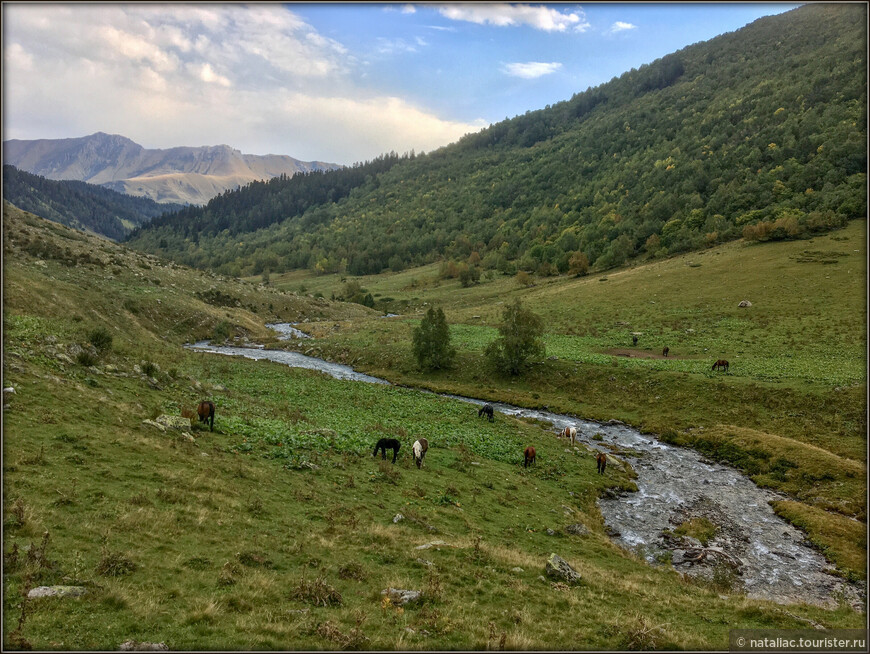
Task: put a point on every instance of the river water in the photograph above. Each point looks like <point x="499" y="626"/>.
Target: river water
<point x="763" y="556"/>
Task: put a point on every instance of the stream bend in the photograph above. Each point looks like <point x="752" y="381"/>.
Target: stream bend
<point x="766" y="556"/>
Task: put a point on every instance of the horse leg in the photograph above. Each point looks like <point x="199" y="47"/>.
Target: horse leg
<point x="395" y="454"/>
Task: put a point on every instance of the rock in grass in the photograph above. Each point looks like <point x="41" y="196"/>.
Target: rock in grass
<point x="400" y="596"/>
<point x="56" y="591"/>
<point x="744" y="303"/>
<point x="577" y="529"/>
<point x="434" y="543"/>
<point x="154" y="424"/>
<point x="173" y="422"/>
<point x="398" y="518"/>
<point x="558" y="568"/>
<point x="133" y="646"/>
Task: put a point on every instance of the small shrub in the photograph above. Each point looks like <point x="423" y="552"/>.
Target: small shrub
<point x="115" y="564"/>
<point x="86" y="358"/>
<point x="640" y="633"/>
<point x="355" y="639"/>
<point x="101" y="339"/>
<point x="16" y="515"/>
<point x="228" y="574"/>
<point x="149" y="368"/>
<point x="221" y="331"/>
<point x="254" y="560"/>
<point x="352" y="571"/>
<point x="316" y="592"/>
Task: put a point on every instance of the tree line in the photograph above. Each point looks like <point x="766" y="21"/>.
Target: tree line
<point x="80" y="205"/>
<point x="765" y="125"/>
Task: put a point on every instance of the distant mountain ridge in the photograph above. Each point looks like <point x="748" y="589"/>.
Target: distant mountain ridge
<point x="186" y="175"/>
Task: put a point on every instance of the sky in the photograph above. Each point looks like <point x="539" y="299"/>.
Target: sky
<point x="340" y="83"/>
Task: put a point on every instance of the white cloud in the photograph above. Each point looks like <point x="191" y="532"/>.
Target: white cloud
<point x="258" y="78"/>
<point x="531" y="69"/>
<point x="508" y="15"/>
<point x="405" y="9"/>
<point x="206" y="74"/>
<point x="392" y="46"/>
<point x="620" y="26"/>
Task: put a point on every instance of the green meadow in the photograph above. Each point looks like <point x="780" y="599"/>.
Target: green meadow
<point x="278" y="529"/>
<point x="797" y="355"/>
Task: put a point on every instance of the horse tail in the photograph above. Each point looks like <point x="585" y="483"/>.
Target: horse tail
<point x="375" y="453"/>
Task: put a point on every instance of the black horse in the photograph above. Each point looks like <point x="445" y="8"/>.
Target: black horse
<point x="486" y="410"/>
<point x="387" y="444"/>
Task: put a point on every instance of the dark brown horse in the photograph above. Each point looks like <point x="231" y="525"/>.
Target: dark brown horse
<point x="665" y="351"/>
<point x="529" y="456"/>
<point x="205" y="411"/>
<point x="601" y="461"/>
<point x="721" y="364"/>
<point x="486" y="410"/>
<point x="385" y="444"/>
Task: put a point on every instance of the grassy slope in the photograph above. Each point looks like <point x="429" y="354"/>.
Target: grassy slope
<point x="234" y="541"/>
<point x="797" y="378"/>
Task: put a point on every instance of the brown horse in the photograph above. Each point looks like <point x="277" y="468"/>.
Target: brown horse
<point x="721" y="364"/>
<point x="205" y="411"/>
<point x="529" y="455"/>
<point x="421" y="446"/>
<point x="570" y="433"/>
<point x="665" y="351"/>
<point x="601" y="461"/>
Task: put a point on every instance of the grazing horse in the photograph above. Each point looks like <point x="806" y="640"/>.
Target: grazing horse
<point x="722" y="364"/>
<point x="665" y="351"/>
<point x="387" y="444"/>
<point x="421" y="446"/>
<point x="601" y="460"/>
<point x="529" y="456"/>
<point x="205" y="411"/>
<point x="634" y="340"/>
<point x="486" y="410"/>
<point x="570" y="433"/>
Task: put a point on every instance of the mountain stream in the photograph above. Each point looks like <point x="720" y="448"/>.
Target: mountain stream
<point x="752" y="547"/>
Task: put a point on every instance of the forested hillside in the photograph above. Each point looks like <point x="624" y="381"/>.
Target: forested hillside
<point x="79" y="204"/>
<point x="758" y="133"/>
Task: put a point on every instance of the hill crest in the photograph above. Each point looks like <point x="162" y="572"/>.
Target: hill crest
<point x="121" y="164"/>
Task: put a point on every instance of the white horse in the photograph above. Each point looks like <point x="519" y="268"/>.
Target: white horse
<point x="420" y="447"/>
<point x="570" y="433"/>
